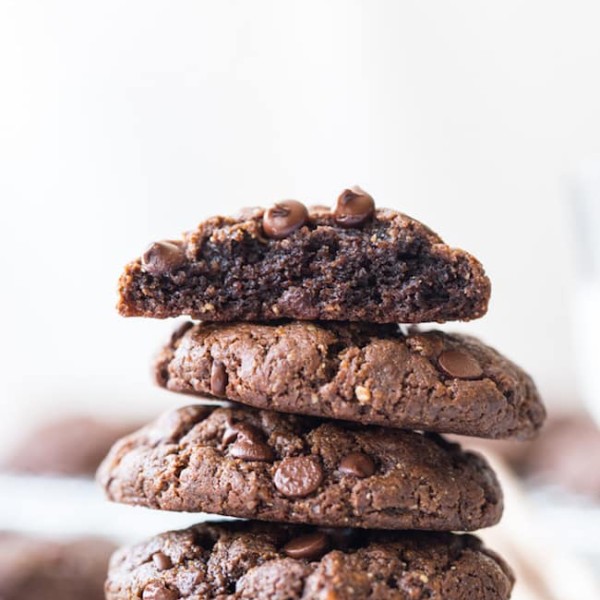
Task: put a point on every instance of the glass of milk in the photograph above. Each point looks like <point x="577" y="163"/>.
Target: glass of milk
<point x="585" y="200"/>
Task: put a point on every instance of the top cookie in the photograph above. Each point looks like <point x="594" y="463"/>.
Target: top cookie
<point x="355" y="263"/>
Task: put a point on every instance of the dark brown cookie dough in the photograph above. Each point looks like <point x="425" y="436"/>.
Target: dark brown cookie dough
<point x="72" y="446"/>
<point x="252" y="561"/>
<point x="39" y="569"/>
<point x="365" y="373"/>
<point x="353" y="264"/>
<point x="276" y="467"/>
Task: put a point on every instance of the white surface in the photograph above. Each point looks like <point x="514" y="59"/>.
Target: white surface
<point x="62" y="508"/>
<point x="587" y="343"/>
<point x="121" y="122"/>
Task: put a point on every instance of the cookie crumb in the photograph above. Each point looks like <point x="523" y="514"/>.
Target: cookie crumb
<point x="362" y="393"/>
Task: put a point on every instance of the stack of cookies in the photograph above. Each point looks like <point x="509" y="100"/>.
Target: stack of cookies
<point x="329" y="440"/>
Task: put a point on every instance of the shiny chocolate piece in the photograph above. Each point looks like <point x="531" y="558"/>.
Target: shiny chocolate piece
<point x="284" y="218"/>
<point x="235" y="430"/>
<point x="354" y="207"/>
<point x="310" y="546"/>
<point x="157" y="591"/>
<point x="358" y="464"/>
<point x="218" y="379"/>
<point x="299" y="476"/>
<point x="459" y="364"/>
<point x="161" y="561"/>
<point x="249" y="449"/>
<point x="163" y="257"/>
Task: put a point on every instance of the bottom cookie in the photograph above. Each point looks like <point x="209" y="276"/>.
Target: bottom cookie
<point x="248" y="560"/>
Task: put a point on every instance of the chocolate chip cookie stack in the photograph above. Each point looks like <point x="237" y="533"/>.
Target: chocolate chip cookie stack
<point x="329" y="442"/>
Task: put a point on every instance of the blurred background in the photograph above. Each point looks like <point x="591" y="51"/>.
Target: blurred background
<point x="125" y="122"/>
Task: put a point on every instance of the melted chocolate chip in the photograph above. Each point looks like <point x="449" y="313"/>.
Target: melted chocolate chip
<point x="157" y="591"/>
<point x="161" y="561"/>
<point x="284" y="218"/>
<point x="299" y="476"/>
<point x="162" y="257"/>
<point x="247" y="449"/>
<point x="235" y="430"/>
<point x="310" y="546"/>
<point x="354" y="207"/>
<point x="459" y="364"/>
<point x="218" y="379"/>
<point x="357" y="464"/>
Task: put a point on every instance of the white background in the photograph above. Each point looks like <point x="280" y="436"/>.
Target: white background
<point x="126" y="121"/>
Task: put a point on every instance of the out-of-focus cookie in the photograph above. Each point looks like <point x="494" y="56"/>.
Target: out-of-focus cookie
<point x="73" y="446"/>
<point x="34" y="568"/>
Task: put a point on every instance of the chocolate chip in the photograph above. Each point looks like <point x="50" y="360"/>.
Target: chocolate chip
<point x="310" y="546"/>
<point x="354" y="207"/>
<point x="162" y="257"/>
<point x="161" y="561"/>
<point x="357" y="464"/>
<point x="235" y="430"/>
<point x="299" y="476"/>
<point x="157" y="591"/>
<point x="247" y="449"/>
<point x="457" y="363"/>
<point x="284" y="218"/>
<point x="218" y="379"/>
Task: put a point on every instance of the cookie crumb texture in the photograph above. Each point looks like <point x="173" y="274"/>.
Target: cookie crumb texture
<point x="388" y="269"/>
<point x="253" y="561"/>
<point x="429" y="381"/>
<point x="275" y="467"/>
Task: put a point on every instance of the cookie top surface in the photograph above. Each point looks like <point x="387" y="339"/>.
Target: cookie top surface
<point x="275" y="467"/>
<point x="248" y="560"/>
<point x="34" y="568"/>
<point x="429" y="381"/>
<point x="385" y="268"/>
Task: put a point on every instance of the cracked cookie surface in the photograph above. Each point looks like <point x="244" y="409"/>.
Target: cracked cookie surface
<point x="430" y="381"/>
<point x="389" y="268"/>
<point x="249" y="560"/>
<point x="263" y="465"/>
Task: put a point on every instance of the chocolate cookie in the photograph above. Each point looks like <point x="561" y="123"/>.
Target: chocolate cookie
<point x="277" y="467"/>
<point x="39" y="569"/>
<point x="72" y="446"/>
<point x="567" y="455"/>
<point x="366" y="373"/>
<point x="352" y="264"/>
<point x="246" y="560"/>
